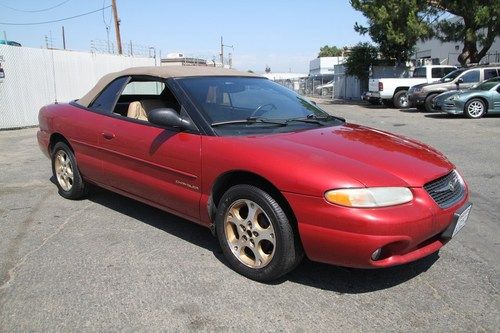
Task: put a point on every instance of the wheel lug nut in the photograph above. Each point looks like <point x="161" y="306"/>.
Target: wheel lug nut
<point x="255" y="234"/>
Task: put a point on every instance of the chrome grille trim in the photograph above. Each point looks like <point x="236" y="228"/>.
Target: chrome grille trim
<point x="446" y="190"/>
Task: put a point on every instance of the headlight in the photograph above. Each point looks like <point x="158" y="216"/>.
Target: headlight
<point x="369" y="197"/>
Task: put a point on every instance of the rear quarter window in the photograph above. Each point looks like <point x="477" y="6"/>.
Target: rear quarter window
<point x="106" y="100"/>
<point x="490" y="73"/>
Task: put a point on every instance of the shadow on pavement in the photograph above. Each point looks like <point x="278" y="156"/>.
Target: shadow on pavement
<point x="356" y="281"/>
<point x="317" y="275"/>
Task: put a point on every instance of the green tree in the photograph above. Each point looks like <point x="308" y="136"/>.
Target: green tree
<point x="329" y="51"/>
<point x="476" y="25"/>
<point x="395" y="25"/>
<point x="358" y="63"/>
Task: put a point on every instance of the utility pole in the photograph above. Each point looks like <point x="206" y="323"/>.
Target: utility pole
<point x="117" y="27"/>
<point x="222" y="51"/>
<point x="63" y="38"/>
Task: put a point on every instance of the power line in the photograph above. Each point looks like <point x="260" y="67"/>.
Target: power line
<point x="59" y="20"/>
<point x="36" y="10"/>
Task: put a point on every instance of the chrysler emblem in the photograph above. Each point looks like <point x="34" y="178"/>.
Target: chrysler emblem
<point x="448" y="187"/>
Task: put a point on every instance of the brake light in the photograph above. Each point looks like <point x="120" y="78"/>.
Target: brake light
<point x="380" y="86"/>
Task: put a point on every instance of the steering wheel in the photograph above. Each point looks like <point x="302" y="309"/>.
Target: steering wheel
<point x="260" y="107"/>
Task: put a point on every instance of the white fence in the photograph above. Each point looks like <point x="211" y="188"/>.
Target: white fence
<point x="345" y="87"/>
<point x="36" y="77"/>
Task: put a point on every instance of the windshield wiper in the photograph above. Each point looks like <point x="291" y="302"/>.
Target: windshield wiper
<point x="249" y="120"/>
<point x="312" y="119"/>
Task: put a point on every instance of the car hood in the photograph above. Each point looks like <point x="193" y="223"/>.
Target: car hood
<point x="369" y="156"/>
<point x="445" y="95"/>
<point x="420" y="85"/>
<point x="466" y="94"/>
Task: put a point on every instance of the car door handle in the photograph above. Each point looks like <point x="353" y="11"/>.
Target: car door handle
<point x="108" y="135"/>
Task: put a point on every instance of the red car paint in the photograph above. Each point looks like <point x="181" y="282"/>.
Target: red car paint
<point x="175" y="171"/>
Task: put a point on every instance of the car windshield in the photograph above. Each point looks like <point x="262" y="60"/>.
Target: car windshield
<point x="452" y="76"/>
<point x="487" y="85"/>
<point x="248" y="105"/>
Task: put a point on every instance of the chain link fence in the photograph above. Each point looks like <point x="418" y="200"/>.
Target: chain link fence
<point x="312" y="86"/>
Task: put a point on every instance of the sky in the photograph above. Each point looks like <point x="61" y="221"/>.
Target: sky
<point x="284" y="35"/>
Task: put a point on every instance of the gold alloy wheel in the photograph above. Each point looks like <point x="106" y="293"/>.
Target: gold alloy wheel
<point x="64" y="170"/>
<point x="249" y="233"/>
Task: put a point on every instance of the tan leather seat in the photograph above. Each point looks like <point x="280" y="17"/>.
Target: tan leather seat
<point x="136" y="111"/>
<point x="140" y="109"/>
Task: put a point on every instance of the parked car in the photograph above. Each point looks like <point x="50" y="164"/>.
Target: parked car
<point x="476" y="102"/>
<point x="392" y="91"/>
<point x="422" y="95"/>
<point x="9" y="42"/>
<point x="325" y="89"/>
<point x="221" y="148"/>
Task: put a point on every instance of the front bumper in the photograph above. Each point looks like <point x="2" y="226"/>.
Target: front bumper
<point x="349" y="236"/>
<point x="452" y="108"/>
<point x="416" y="100"/>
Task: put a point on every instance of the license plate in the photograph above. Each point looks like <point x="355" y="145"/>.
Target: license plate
<point x="462" y="218"/>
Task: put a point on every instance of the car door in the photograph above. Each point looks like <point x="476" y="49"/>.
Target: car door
<point x="495" y="97"/>
<point x="469" y="78"/>
<point x="84" y="125"/>
<point x="160" y="165"/>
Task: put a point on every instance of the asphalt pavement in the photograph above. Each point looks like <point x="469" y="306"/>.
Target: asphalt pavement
<point x="108" y="263"/>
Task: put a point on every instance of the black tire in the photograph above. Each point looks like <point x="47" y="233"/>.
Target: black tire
<point x="421" y="108"/>
<point x="374" y="101"/>
<point x="78" y="187"/>
<point x="428" y="103"/>
<point x="400" y="100"/>
<point x="475" y="108"/>
<point x="286" y="251"/>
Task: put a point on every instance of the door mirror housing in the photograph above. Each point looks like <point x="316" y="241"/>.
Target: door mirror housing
<point x="170" y="118"/>
<point x="459" y="80"/>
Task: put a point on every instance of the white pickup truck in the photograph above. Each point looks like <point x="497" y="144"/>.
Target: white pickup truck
<point x="392" y="91"/>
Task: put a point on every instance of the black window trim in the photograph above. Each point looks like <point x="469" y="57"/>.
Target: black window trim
<point x="168" y="84"/>
<point x="116" y="97"/>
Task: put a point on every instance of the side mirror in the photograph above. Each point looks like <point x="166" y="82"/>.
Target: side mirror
<point x="459" y="80"/>
<point x="169" y="117"/>
<point x="313" y="102"/>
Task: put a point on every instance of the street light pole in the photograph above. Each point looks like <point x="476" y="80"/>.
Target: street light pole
<point x="117" y="27"/>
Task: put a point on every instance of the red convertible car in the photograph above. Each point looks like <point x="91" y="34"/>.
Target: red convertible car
<point x="270" y="173"/>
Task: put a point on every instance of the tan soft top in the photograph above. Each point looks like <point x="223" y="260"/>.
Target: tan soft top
<point x="162" y="72"/>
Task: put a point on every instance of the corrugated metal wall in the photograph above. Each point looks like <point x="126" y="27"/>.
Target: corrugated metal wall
<point x="36" y="77"/>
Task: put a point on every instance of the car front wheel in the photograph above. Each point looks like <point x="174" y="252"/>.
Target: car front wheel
<point x="255" y="234"/>
<point x="475" y="108"/>
<point x="65" y="171"/>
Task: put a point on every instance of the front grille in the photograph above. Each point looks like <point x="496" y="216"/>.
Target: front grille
<point x="446" y="190"/>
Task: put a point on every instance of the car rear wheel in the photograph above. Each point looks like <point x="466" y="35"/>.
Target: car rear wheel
<point x="475" y="108"/>
<point x="400" y="100"/>
<point x="255" y="234"/>
<point x="428" y="103"/>
<point x="65" y="170"/>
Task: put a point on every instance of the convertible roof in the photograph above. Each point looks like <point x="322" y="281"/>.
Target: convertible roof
<point x="162" y="72"/>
